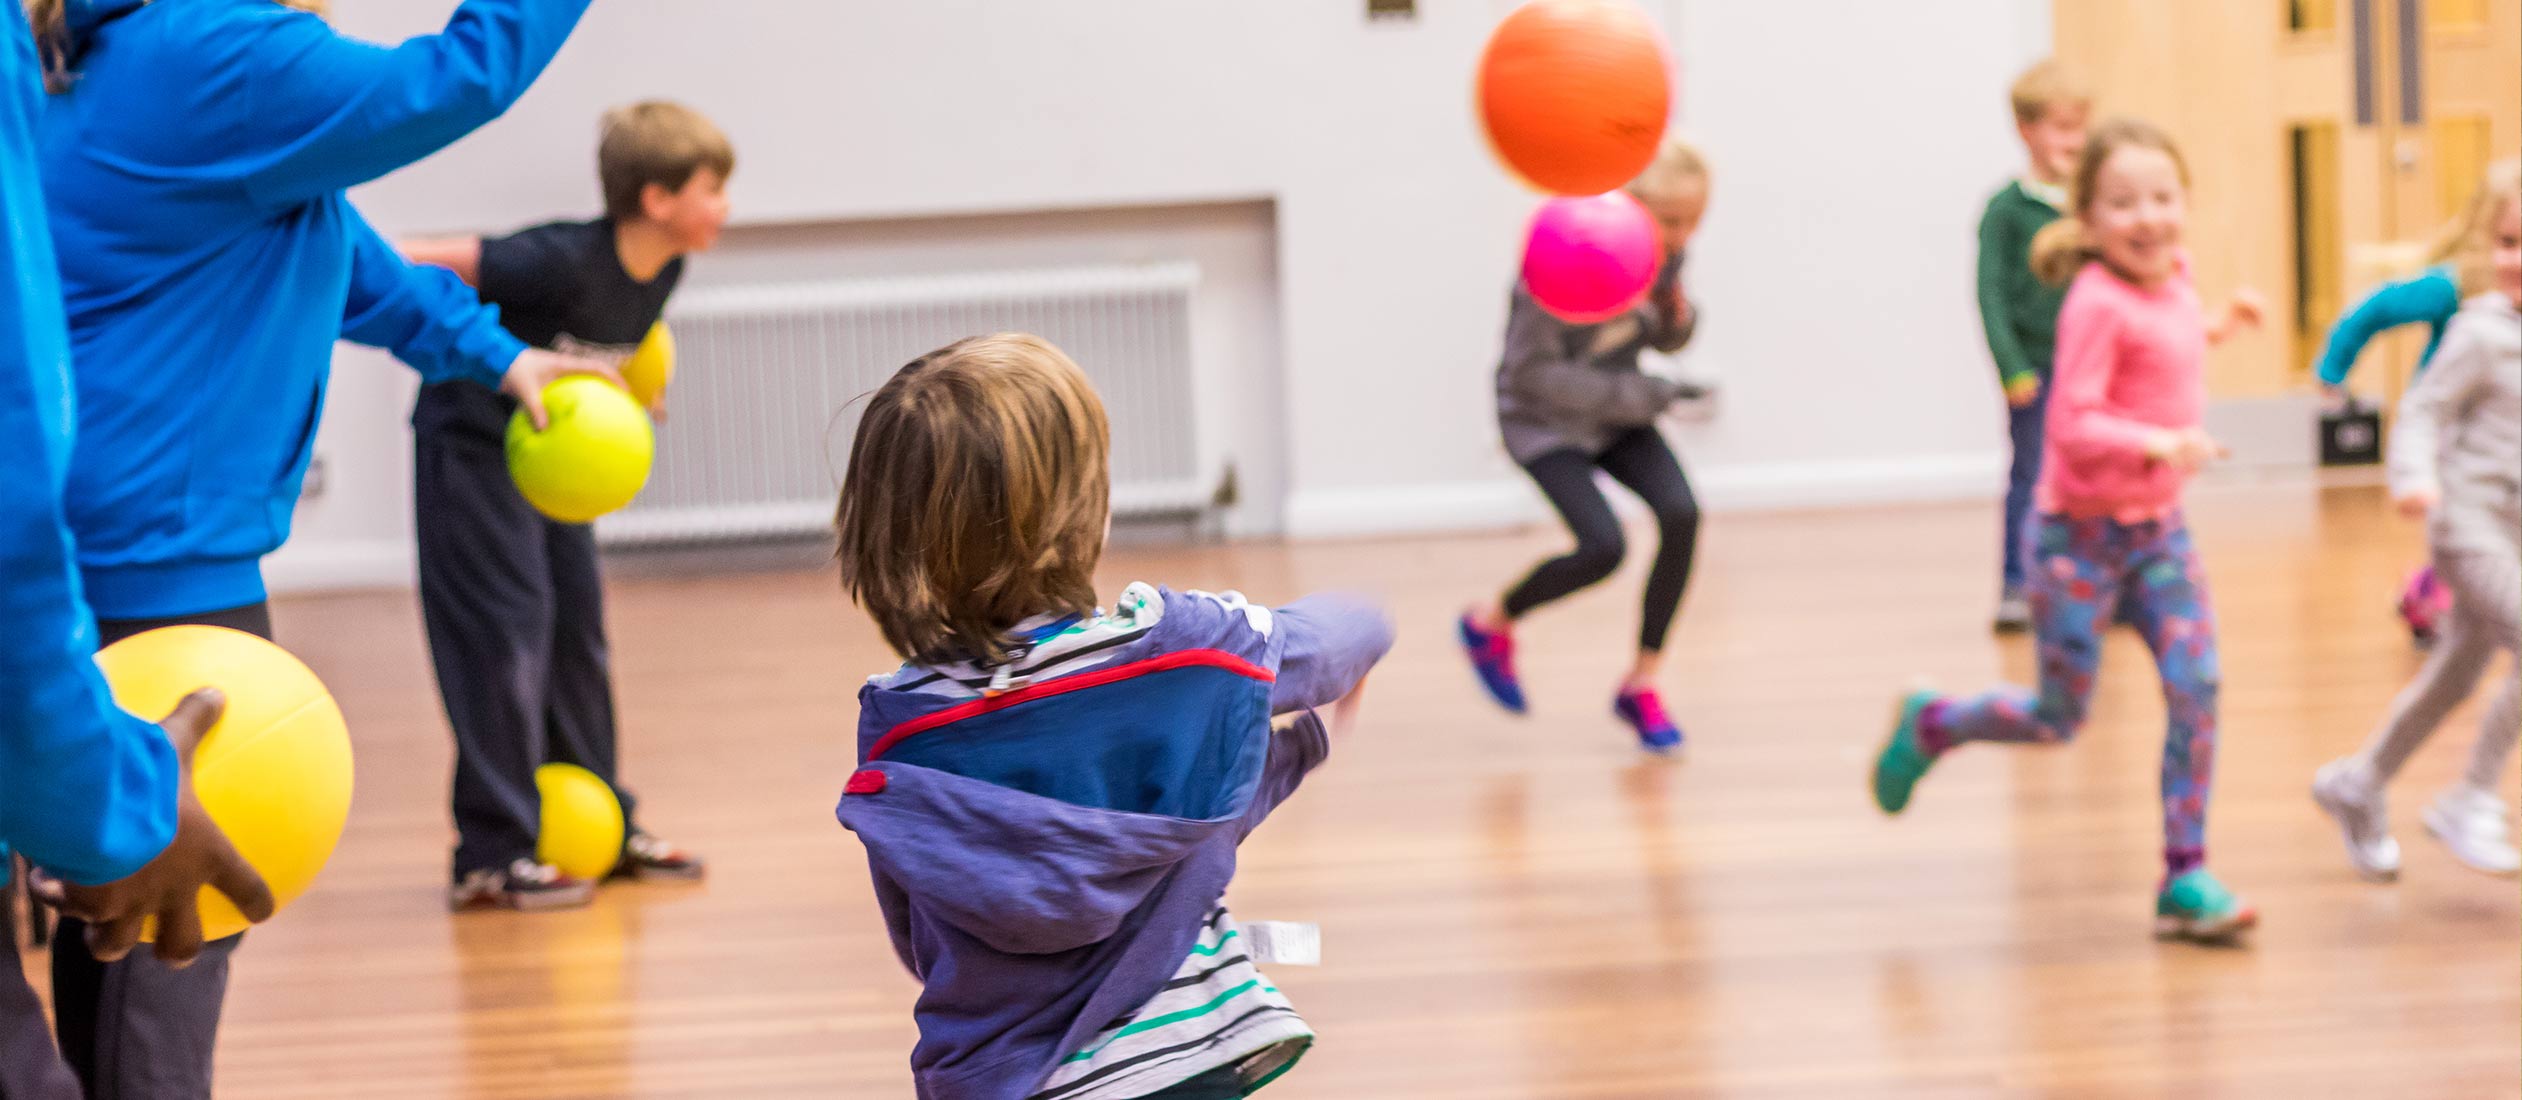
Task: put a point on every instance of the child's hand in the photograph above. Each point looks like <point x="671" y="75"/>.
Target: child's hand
<point x="2247" y="310"/>
<point x="2187" y="450"/>
<point x="536" y="368"/>
<point x="2249" y="307"/>
<point x="2418" y="503"/>
<point x="2022" y="391"/>
<point x="1344" y="712"/>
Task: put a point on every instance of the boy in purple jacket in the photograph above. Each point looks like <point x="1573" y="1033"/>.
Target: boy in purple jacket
<point x="1051" y="794"/>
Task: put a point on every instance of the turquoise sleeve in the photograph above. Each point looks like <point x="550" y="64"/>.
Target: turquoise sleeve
<point x="2431" y="298"/>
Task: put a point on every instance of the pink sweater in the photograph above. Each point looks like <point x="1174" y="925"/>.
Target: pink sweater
<point x="2131" y="362"/>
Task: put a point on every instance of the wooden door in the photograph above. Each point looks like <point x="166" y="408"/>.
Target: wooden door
<point x="2328" y="141"/>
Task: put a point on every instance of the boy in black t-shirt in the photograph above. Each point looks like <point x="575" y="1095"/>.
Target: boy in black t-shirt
<point x="513" y="601"/>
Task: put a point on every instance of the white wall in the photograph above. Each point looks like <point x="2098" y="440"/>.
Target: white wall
<point x="1853" y="146"/>
<point x="1853" y="143"/>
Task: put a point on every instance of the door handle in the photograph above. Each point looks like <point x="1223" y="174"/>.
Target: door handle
<point x="2412" y="62"/>
<point x="2360" y="33"/>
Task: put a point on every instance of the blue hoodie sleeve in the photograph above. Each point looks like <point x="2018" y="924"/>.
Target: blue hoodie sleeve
<point x="425" y="315"/>
<point x="2431" y="298"/>
<point x="1328" y="643"/>
<point x="85" y="789"/>
<point x="331" y="112"/>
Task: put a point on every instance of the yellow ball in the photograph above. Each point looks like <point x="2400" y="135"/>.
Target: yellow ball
<point x="592" y="459"/>
<point x="651" y="367"/>
<point x="274" y="772"/>
<point x="582" y="821"/>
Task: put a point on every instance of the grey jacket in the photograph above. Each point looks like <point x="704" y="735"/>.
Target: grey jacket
<point x="1563" y="386"/>
<point x="2460" y="431"/>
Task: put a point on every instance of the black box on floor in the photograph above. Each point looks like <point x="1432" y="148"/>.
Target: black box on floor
<point x="2351" y="434"/>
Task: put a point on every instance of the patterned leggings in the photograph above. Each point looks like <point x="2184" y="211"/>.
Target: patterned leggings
<point x="2081" y="570"/>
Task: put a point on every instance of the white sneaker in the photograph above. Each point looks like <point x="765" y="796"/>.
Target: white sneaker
<point x="2346" y="791"/>
<point x="2014" y="612"/>
<point x="525" y="885"/>
<point x="2472" y="824"/>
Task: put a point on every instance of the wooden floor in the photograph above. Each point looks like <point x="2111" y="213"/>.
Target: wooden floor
<point x="1510" y="908"/>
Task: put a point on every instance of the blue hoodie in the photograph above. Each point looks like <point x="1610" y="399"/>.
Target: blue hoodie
<point x="1045" y="855"/>
<point x="195" y="168"/>
<point x="85" y="789"/>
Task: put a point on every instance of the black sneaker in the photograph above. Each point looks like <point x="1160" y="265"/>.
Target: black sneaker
<point x="647" y="857"/>
<point x="525" y="885"/>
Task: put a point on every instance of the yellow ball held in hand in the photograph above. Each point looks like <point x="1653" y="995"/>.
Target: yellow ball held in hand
<point x="650" y="368"/>
<point x="592" y="459"/>
<point x="274" y="772"/>
<point x="582" y="822"/>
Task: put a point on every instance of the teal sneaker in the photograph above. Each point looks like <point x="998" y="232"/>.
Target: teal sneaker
<point x="1903" y="762"/>
<point x="2197" y="907"/>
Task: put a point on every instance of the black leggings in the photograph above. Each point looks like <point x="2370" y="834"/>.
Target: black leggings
<point x="1641" y="460"/>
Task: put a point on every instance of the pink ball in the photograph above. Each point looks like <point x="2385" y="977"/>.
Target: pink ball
<point x="1589" y="259"/>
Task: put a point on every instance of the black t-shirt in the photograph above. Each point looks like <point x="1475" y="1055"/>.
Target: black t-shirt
<point x="560" y="287"/>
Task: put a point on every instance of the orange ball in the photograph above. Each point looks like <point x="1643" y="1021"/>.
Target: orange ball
<point x="1575" y="93"/>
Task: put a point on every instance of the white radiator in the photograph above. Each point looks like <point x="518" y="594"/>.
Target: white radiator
<point x="768" y="379"/>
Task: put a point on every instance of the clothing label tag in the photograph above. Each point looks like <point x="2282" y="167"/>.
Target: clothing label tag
<point x="1285" y="942"/>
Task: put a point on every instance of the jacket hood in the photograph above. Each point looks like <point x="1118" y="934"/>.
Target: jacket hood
<point x="1024" y="874"/>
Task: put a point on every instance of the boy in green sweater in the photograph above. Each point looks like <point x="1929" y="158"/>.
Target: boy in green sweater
<point x="2019" y="311"/>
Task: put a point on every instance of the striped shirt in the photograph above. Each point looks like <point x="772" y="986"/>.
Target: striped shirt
<point x="1050" y="647"/>
<point x="1219" y="1011"/>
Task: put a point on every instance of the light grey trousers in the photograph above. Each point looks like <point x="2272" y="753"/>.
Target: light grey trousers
<point x="2486" y="617"/>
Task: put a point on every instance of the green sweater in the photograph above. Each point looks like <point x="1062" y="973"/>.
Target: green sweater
<point x="2019" y="311"/>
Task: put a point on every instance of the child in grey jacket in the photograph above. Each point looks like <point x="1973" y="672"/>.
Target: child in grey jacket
<point x="2456" y="459"/>
<point x="1571" y="400"/>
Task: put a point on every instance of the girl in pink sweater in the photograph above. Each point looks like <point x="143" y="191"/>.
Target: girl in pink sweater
<point x="2123" y="437"/>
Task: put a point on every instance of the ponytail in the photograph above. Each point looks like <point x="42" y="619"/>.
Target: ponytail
<point x="2463" y="247"/>
<point x="2061" y="249"/>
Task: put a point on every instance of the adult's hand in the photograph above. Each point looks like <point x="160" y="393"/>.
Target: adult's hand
<point x="169" y="887"/>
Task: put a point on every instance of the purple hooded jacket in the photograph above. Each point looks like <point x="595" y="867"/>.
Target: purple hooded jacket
<point x="1045" y="856"/>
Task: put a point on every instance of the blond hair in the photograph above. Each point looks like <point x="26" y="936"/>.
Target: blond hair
<point x="2045" y="85"/>
<point x="656" y="142"/>
<point x="1677" y="165"/>
<point x="2464" y="245"/>
<point x="2063" y="247"/>
<point x="977" y="496"/>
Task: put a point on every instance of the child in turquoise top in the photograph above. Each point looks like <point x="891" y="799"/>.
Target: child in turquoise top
<point x="2455" y="273"/>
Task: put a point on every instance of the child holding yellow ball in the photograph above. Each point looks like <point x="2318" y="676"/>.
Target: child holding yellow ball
<point x="512" y="597"/>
